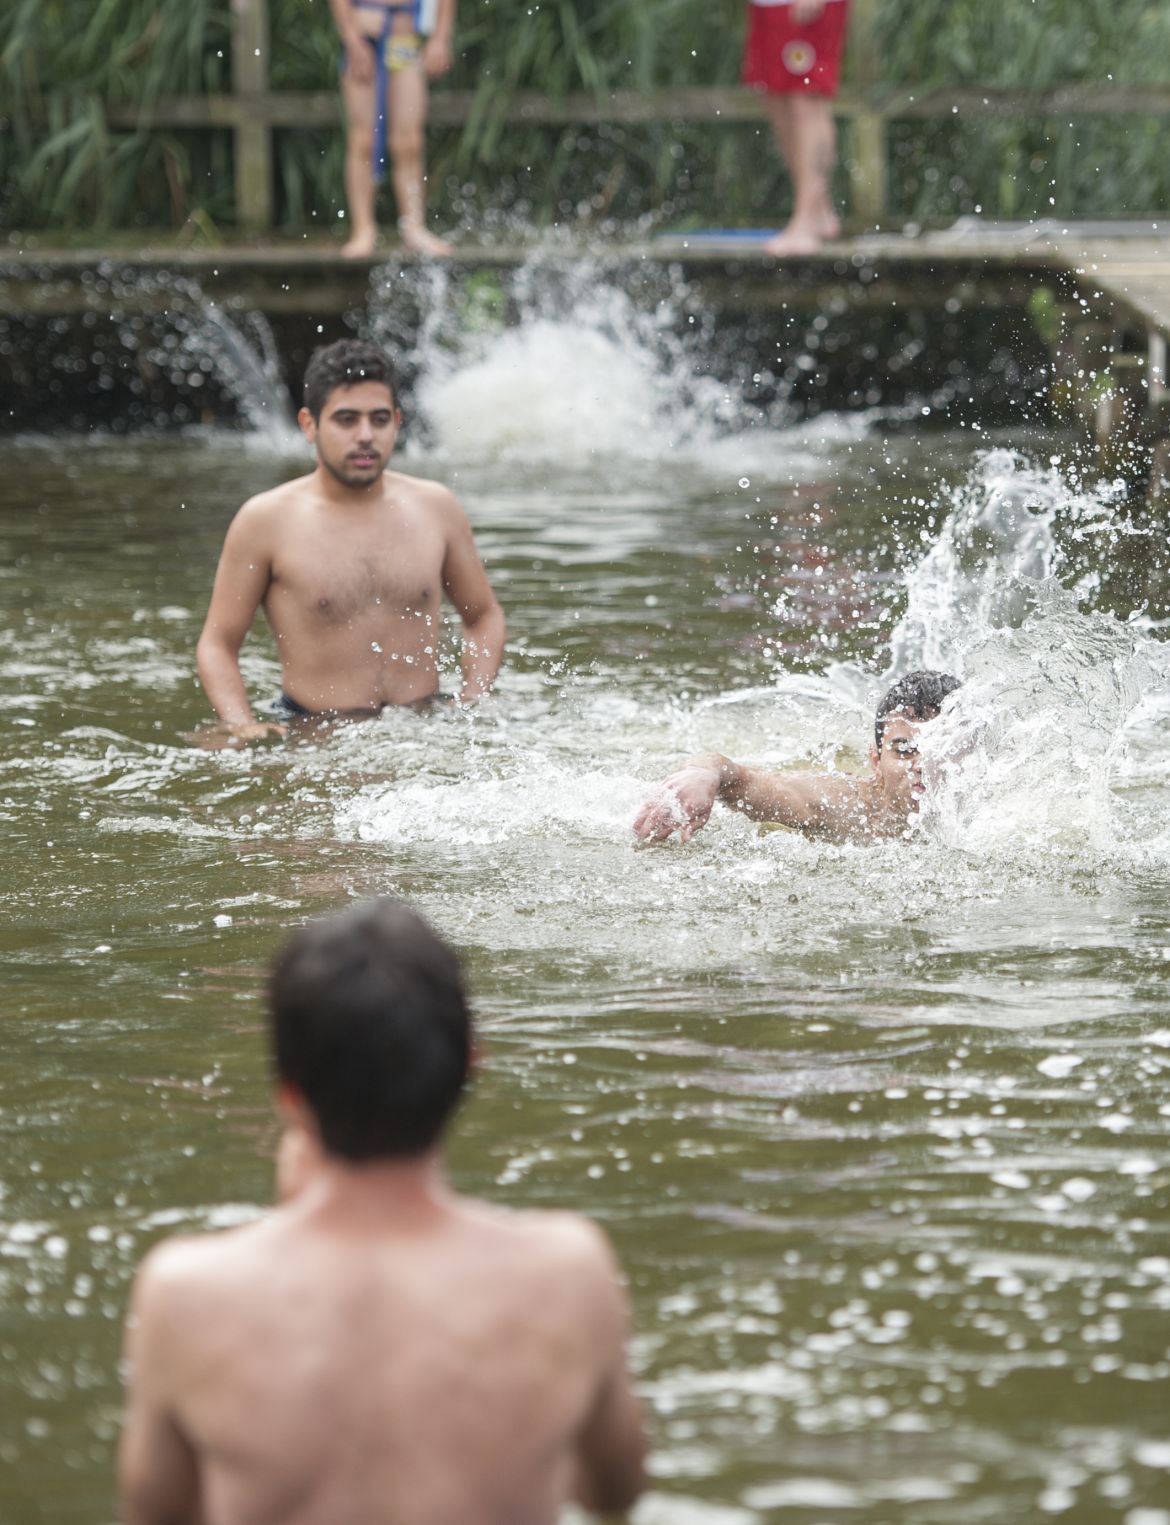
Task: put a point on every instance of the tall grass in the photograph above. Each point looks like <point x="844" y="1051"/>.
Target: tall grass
<point x="63" y="61"/>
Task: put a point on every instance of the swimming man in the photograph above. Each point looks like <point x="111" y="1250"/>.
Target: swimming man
<point x="839" y="807"/>
<point x="378" y="1348"/>
<point x="350" y="564"/>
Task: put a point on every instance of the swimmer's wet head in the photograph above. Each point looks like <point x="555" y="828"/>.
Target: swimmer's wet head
<point x="371" y="1032"/>
<point x="914" y="699"/>
<point x="351" y="414"/>
<point x="346" y="363"/>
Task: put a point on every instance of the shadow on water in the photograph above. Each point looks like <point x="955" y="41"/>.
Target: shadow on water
<point x="881" y="1134"/>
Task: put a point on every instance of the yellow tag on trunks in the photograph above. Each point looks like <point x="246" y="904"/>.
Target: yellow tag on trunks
<point x="403" y="51"/>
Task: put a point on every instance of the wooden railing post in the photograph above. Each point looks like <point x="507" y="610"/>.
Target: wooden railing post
<point x="253" y="132"/>
<point x="868" y="170"/>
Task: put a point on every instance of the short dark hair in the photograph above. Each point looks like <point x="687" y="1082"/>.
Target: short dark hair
<point x="919" y="695"/>
<point x="345" y="363"/>
<point x="370" y="1022"/>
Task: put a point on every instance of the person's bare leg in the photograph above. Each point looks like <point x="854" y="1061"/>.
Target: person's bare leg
<point x="807" y="138"/>
<point x="405" y="128"/>
<point x="360" y="109"/>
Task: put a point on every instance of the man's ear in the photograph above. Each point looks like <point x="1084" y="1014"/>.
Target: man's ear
<point x="475" y="1058"/>
<point x="308" y="425"/>
<point x="291" y="1103"/>
<point x="875" y="758"/>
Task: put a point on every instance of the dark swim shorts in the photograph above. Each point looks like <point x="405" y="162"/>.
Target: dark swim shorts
<point x="285" y="707"/>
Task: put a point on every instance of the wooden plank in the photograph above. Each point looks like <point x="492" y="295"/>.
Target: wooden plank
<point x="868" y="167"/>
<point x="697" y="104"/>
<point x="253" y="158"/>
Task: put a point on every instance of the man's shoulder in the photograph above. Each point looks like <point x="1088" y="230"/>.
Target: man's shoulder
<point x="264" y="505"/>
<point x="425" y="493"/>
<point x="187" y="1269"/>
<point x="548" y="1239"/>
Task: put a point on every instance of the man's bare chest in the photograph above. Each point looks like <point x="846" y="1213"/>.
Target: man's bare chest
<point x="337" y="578"/>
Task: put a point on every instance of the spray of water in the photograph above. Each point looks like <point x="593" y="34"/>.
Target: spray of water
<point x="556" y="362"/>
<point x="198" y="345"/>
<point x="1025" y="756"/>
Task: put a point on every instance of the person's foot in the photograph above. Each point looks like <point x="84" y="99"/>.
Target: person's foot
<point x="360" y="246"/>
<point x="420" y="240"/>
<point x="829" y="227"/>
<point x="794" y="240"/>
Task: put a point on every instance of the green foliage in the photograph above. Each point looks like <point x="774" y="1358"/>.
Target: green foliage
<point x="59" y="163"/>
<point x="63" y="62"/>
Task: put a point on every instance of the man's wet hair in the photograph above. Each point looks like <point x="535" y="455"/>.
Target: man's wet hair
<point x="919" y="695"/>
<point x="370" y="1023"/>
<point x="346" y="363"/>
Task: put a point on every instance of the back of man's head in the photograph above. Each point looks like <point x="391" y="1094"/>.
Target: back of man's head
<point x="919" y="696"/>
<point x="370" y="1024"/>
<point x="345" y="363"/>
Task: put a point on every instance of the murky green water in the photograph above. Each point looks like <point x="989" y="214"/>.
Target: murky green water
<point x="881" y="1134"/>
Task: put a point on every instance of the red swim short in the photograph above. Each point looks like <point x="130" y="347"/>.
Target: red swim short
<point x="780" y="56"/>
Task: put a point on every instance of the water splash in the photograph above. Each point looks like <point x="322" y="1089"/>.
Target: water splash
<point x="169" y="324"/>
<point x="1007" y="530"/>
<point x="557" y="362"/>
<point x="1025" y="755"/>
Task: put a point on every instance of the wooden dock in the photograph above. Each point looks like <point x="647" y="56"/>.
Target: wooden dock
<point x="1123" y="278"/>
<point x="1099" y="294"/>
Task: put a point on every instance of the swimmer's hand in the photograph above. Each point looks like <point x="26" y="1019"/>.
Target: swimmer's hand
<point x="682" y="803"/>
<point x="218" y="737"/>
<point x="804" y="11"/>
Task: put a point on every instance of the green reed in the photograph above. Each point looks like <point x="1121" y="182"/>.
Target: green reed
<point x="62" y="62"/>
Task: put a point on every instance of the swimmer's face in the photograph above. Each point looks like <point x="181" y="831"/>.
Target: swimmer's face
<point x="356" y="432"/>
<point x="898" y="766"/>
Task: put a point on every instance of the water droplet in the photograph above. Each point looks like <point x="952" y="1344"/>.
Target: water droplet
<point x="375" y="647"/>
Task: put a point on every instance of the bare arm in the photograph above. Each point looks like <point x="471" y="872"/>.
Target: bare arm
<point x="158" y="1478"/>
<point x="437" y="56"/>
<point x="816" y="803"/>
<point x="611" y="1446"/>
<point x="466" y="585"/>
<point x="240" y="585"/>
<point x="358" y="57"/>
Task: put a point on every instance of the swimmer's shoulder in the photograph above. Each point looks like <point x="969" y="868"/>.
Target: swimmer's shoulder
<point x="433" y="498"/>
<point x="181" y="1276"/>
<point x="552" y="1240"/>
<point x="266" y="507"/>
<point x="261" y="523"/>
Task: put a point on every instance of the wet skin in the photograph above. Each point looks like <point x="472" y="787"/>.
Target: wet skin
<point x="470" y="1359"/>
<point x="840" y="807"/>
<point x="350" y="565"/>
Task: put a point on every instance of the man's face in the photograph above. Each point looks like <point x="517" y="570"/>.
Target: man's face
<point x="897" y="766"/>
<point x="356" y="432"/>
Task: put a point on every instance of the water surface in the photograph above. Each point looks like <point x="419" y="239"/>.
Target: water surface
<point x="881" y="1134"/>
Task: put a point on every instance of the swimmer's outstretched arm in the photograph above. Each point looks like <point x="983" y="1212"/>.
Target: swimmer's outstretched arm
<point x="817" y="803"/>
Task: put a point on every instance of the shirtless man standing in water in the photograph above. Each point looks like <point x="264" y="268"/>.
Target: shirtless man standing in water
<point x="350" y="565"/>
<point x="840" y="807"/>
<point x="377" y="1349"/>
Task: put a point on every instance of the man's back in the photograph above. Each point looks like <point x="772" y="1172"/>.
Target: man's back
<point x="438" y="1363"/>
